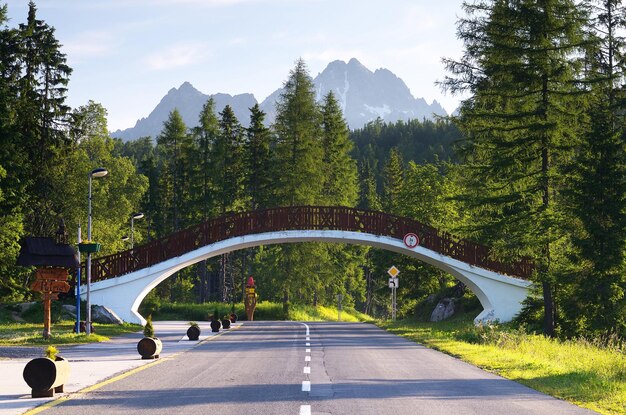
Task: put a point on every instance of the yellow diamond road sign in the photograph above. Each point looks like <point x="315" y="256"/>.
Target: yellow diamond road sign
<point x="393" y="271"/>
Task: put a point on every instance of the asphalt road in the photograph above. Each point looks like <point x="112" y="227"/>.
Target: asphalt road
<point x="263" y="368"/>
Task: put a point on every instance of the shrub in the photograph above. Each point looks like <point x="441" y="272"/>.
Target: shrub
<point x="148" y="329"/>
<point x="51" y="352"/>
<point x="34" y="314"/>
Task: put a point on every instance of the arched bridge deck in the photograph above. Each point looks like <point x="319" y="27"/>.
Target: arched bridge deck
<point x="302" y="218"/>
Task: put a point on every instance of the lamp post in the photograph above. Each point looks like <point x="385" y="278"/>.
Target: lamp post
<point x="99" y="172"/>
<point x="80" y="239"/>
<point x="134" y="216"/>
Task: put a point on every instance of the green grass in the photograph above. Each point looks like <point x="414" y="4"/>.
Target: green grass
<point x="577" y="371"/>
<point x="265" y="310"/>
<point x="321" y="313"/>
<point x="30" y="334"/>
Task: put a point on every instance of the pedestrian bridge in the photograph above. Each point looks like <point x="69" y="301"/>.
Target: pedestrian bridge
<point x="121" y="281"/>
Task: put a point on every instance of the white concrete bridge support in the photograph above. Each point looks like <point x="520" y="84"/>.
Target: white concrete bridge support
<point x="500" y="295"/>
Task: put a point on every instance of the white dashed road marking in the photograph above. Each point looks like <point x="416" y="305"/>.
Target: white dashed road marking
<point x="306" y="384"/>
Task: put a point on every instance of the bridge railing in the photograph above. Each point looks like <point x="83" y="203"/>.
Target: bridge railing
<point x="301" y="218"/>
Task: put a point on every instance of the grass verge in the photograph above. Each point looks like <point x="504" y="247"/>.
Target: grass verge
<point x="30" y="334"/>
<point x="321" y="313"/>
<point x="577" y="371"/>
<point x="265" y="310"/>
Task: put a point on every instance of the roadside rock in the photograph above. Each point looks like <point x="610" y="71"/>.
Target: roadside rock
<point x="25" y="306"/>
<point x="104" y="315"/>
<point x="68" y="312"/>
<point x="431" y="299"/>
<point x="16" y="317"/>
<point x="444" y="309"/>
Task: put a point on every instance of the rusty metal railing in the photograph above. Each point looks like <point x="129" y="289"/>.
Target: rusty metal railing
<point x="301" y="218"/>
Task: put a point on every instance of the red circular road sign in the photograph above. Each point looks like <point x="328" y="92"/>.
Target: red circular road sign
<point x="411" y="240"/>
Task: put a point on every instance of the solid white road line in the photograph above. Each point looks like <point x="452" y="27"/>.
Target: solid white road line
<point x="307" y="351"/>
<point x="308" y="344"/>
<point x="306" y="386"/>
<point x="305" y="409"/>
<point x="308" y="338"/>
<point x="307" y="369"/>
<point x="307" y="358"/>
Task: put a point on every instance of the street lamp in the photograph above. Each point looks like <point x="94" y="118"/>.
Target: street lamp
<point x="97" y="173"/>
<point x="134" y="216"/>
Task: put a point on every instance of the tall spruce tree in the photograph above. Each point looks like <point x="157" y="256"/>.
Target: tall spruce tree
<point x="368" y="195"/>
<point x="205" y="136"/>
<point x="299" y="173"/>
<point x="598" y="187"/>
<point x="227" y="160"/>
<point x="520" y="121"/>
<point x="299" y="145"/>
<point x="340" y="181"/>
<point x="174" y="149"/>
<point x="258" y="161"/>
<point x="393" y="182"/>
<point x="228" y="185"/>
<point x="42" y="115"/>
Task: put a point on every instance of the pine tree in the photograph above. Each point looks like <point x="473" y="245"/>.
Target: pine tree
<point x="599" y="184"/>
<point x="520" y="122"/>
<point x="299" y="175"/>
<point x="258" y="161"/>
<point x="205" y="136"/>
<point x="227" y="160"/>
<point x="340" y="181"/>
<point x="42" y="116"/>
<point x="13" y="155"/>
<point x="299" y="146"/>
<point x="393" y="182"/>
<point x="173" y="147"/>
<point x="368" y="195"/>
<point x="227" y="177"/>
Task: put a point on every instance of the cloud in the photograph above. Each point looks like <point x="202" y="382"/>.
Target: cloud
<point x="90" y="45"/>
<point x="177" y="56"/>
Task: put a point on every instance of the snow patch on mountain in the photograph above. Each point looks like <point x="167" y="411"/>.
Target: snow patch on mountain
<point x="380" y="112"/>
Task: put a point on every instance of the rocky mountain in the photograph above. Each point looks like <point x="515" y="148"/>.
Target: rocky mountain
<point x="364" y="96"/>
<point x="189" y="101"/>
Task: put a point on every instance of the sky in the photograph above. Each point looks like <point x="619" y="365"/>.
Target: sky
<point x="127" y="54"/>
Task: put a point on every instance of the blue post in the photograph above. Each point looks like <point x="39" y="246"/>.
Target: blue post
<point x="78" y="287"/>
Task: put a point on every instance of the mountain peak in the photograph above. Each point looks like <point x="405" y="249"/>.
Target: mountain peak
<point x="187" y="88"/>
<point x="354" y="64"/>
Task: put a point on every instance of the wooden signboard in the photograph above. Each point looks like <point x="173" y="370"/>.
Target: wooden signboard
<point x="50" y="282"/>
